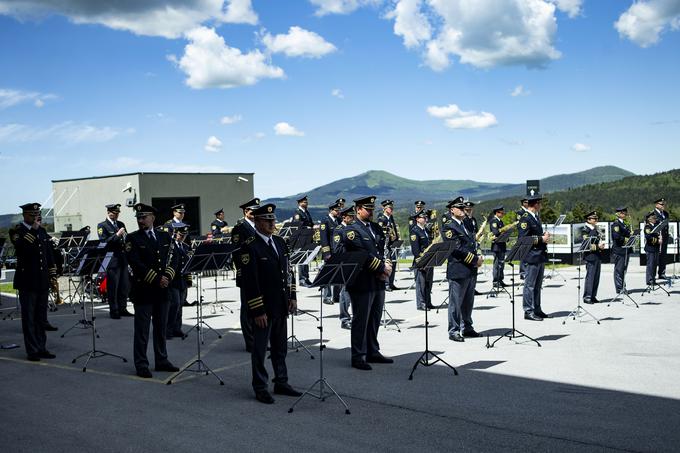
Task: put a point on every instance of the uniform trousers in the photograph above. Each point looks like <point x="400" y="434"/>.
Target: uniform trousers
<point x="522" y="269"/>
<point x="117" y="284"/>
<point x="246" y="323"/>
<point x="652" y="263"/>
<point x="395" y="264"/>
<point x="424" y="279"/>
<point x="344" y="305"/>
<point x="176" y="298"/>
<point x="592" y="279"/>
<point x="33" y="320"/>
<point x="145" y="315"/>
<point x="620" y="267"/>
<point x="498" y="265"/>
<point x="533" y="281"/>
<point x="274" y="335"/>
<point x="367" y="308"/>
<point x="662" y="258"/>
<point x="461" y="302"/>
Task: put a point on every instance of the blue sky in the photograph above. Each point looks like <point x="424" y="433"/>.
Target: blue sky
<point x="302" y="92"/>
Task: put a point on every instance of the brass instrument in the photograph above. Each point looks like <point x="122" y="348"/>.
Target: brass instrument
<point x="226" y="229"/>
<point x="436" y="235"/>
<point x="480" y="231"/>
<point x="316" y="237"/>
<point x="503" y="230"/>
<point x="54" y="290"/>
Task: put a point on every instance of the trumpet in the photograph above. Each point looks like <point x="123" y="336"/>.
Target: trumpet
<point x="226" y="229"/>
<point x="503" y="230"/>
<point x="480" y="231"/>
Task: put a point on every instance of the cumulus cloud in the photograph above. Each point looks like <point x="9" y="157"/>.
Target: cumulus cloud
<point x="455" y="118"/>
<point x="286" y="129"/>
<point x="571" y="7"/>
<point x="337" y="92"/>
<point x="167" y="18"/>
<point x="230" y="119"/>
<point x="298" y="42"/>
<point x="644" y="21"/>
<point x="213" y="145"/>
<point x="10" y="98"/>
<point x="325" y="7"/>
<point x="68" y="132"/>
<point x="520" y="91"/>
<point x="209" y="62"/>
<point x="410" y="22"/>
<point x="580" y="147"/>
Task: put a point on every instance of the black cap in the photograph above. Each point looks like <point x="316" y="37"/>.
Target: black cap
<point x="498" y="208"/>
<point x="660" y="200"/>
<point x="181" y="227"/>
<point x="457" y="202"/>
<point x="469" y="204"/>
<point x="179" y="207"/>
<point x="592" y="215"/>
<point x="300" y="200"/>
<point x="348" y="211"/>
<point x="365" y="202"/>
<point x="250" y="204"/>
<point x="143" y="210"/>
<point x="535" y="197"/>
<point x="332" y="206"/>
<point x="386" y="203"/>
<point x="220" y="211"/>
<point x="523" y="200"/>
<point x="622" y="209"/>
<point x="113" y="207"/>
<point x="422" y="214"/>
<point x="419" y="203"/>
<point x="340" y="201"/>
<point x="30" y="208"/>
<point x="649" y="214"/>
<point x="265" y="211"/>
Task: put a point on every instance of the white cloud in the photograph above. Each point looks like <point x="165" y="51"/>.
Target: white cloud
<point x="298" y="43"/>
<point x="455" y="118"/>
<point x="644" y="21"/>
<point x="209" y="63"/>
<point x="410" y="22"/>
<point x="167" y="18"/>
<point x="520" y="91"/>
<point x="337" y="92"/>
<point x="10" y="98"/>
<point x="325" y="7"/>
<point x="287" y="129"/>
<point x="213" y="145"/>
<point x="125" y="163"/>
<point x="571" y="7"/>
<point x="580" y="147"/>
<point x="231" y="119"/>
<point x="68" y="132"/>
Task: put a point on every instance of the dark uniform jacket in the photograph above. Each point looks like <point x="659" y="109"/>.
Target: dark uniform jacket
<point x="266" y="279"/>
<point x="651" y="239"/>
<point x="239" y="235"/>
<point x="495" y="226"/>
<point x="181" y="281"/>
<point x="446" y="217"/>
<point x="420" y="240"/>
<point x="304" y="217"/>
<point x="411" y="218"/>
<point x="594" y="254"/>
<point x="149" y="262"/>
<point x="660" y="216"/>
<point x="462" y="262"/>
<point x="168" y="226"/>
<point x="35" y="261"/>
<point x="114" y="243"/>
<point x="384" y="222"/>
<point x="620" y="235"/>
<point x="216" y="227"/>
<point x="357" y="236"/>
<point x="531" y="227"/>
<point x="326" y="230"/>
<point x="471" y="224"/>
<point x="338" y="246"/>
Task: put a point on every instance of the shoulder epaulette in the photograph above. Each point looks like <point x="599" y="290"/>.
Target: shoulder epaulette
<point x="250" y="239"/>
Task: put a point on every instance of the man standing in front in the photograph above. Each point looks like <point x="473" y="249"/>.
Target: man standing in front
<point x="620" y="256"/>
<point x="593" y="258"/>
<point x="387" y="223"/>
<point x="420" y="241"/>
<point x="498" y="248"/>
<point x="661" y="215"/>
<point x="112" y="233"/>
<point x="303" y="216"/>
<point x="328" y="225"/>
<point x="535" y="259"/>
<point x="338" y="247"/>
<point x="652" y="247"/>
<point x="270" y="294"/>
<point x="218" y="226"/>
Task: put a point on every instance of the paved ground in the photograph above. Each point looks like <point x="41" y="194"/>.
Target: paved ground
<point x="590" y="387"/>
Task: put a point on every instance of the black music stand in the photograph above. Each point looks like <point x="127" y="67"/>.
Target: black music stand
<point x="71" y="244"/>
<point x="288" y="228"/>
<point x="579" y="311"/>
<point x="208" y="256"/>
<point x="497" y="288"/>
<point x="303" y="250"/>
<point x="553" y="271"/>
<point x="655" y="286"/>
<point x="340" y="269"/>
<point x="624" y="291"/>
<point x="518" y="251"/>
<point x="93" y="262"/>
<point x="435" y="256"/>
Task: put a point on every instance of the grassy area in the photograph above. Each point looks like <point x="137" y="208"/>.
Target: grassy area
<point x="6" y="288"/>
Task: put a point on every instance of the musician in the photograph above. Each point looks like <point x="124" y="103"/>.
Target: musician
<point x="303" y="216"/>
<point x="620" y="236"/>
<point x="218" y="226"/>
<point x="179" y="285"/>
<point x="341" y="203"/>
<point x="592" y="257"/>
<point x="386" y="222"/>
<point x="498" y="248"/>
<point x="270" y="293"/>
<point x="535" y="259"/>
<point x="152" y="271"/>
<point x="244" y="229"/>
<point x="338" y="247"/>
<point x="421" y="240"/>
<point x="178" y="212"/>
<point x="661" y="215"/>
<point x="367" y="291"/>
<point x="473" y="226"/>
<point x="34" y="271"/>
<point x="326" y="228"/>
<point x="652" y="246"/>
<point x="461" y="271"/>
<point x="524" y="207"/>
<point x="419" y="207"/>
<point x="112" y="232"/>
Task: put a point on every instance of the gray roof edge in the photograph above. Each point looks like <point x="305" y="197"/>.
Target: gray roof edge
<point x="150" y="173"/>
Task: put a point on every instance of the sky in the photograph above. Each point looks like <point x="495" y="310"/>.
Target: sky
<point x="304" y="92"/>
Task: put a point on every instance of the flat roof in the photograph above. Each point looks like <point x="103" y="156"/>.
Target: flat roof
<point x="151" y="173"/>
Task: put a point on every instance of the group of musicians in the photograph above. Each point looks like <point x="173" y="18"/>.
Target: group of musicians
<point x="158" y="288"/>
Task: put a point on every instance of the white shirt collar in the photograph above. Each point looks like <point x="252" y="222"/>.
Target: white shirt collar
<point x="26" y="225"/>
<point x="264" y="238"/>
<point x="590" y="226"/>
<point x="252" y="224"/>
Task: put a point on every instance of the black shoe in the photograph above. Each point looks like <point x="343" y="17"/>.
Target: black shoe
<point x="179" y="334"/>
<point x="394" y="287"/>
<point x="456" y="337"/>
<point x="264" y="396"/>
<point x="532" y="317"/>
<point x="306" y="282"/>
<point x="388" y="289"/>
<point x="125" y="313"/>
<point x="663" y="277"/>
<point x="596" y="300"/>
<point x="503" y="284"/>
<point x="50" y="328"/>
<point x="430" y="307"/>
<point x="422" y="308"/>
<point x="33" y="358"/>
<point x="166" y="367"/>
<point x="347" y="325"/>
<point x="286" y="389"/>
<point x="471" y="334"/>
<point x="361" y="365"/>
<point x="114" y="315"/>
<point x="477" y="293"/>
<point x="328" y="301"/>
<point x="378" y="358"/>
<point x="588" y="301"/>
<point x="46" y="355"/>
<point x="144" y="373"/>
<point x="543" y="315"/>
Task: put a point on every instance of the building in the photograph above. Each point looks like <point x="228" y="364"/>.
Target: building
<point x="80" y="202"/>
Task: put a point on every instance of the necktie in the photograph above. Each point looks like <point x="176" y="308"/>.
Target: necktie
<point x="271" y="244"/>
<point x="152" y="236"/>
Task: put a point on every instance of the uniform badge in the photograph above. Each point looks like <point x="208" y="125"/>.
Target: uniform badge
<point x="495" y="225"/>
<point x="297" y="216"/>
<point x="336" y="238"/>
<point x="351" y="235"/>
<point x="523" y="225"/>
<point x="413" y="237"/>
<point x="323" y="226"/>
<point x="616" y="229"/>
<point x="235" y="238"/>
<point x="245" y="259"/>
<point x="128" y="246"/>
<point x="214" y="227"/>
<point x="449" y="234"/>
<point x="100" y="231"/>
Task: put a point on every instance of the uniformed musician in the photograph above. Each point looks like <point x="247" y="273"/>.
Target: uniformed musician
<point x="498" y="248"/>
<point x="661" y="215"/>
<point x="218" y="226"/>
<point x="179" y="285"/>
<point x="178" y="212"/>
<point x="270" y="293"/>
<point x="473" y="226"/>
<point x="34" y="271"/>
<point x="419" y="207"/>
<point x="652" y="247"/>
<point x="524" y="207"/>
<point x="244" y="228"/>
<point x="303" y="216"/>
<point x="152" y="271"/>
<point x="112" y="232"/>
<point x="386" y="222"/>
<point x="592" y="257"/>
<point x="347" y="216"/>
<point x="367" y="291"/>
<point x="341" y="203"/>
<point x="328" y="224"/>
<point x="420" y="240"/>
<point x="535" y="259"/>
<point x="461" y="272"/>
<point x="620" y="235"/>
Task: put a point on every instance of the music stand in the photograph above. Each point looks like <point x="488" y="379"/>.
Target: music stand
<point x="518" y="251"/>
<point x="94" y="262"/>
<point x="304" y="250"/>
<point x="435" y="256"/>
<point x="624" y="291"/>
<point x="554" y="272"/>
<point x="207" y="256"/>
<point x="654" y="286"/>
<point x="70" y="244"/>
<point x="579" y="311"/>
<point x="496" y="289"/>
<point x="340" y="269"/>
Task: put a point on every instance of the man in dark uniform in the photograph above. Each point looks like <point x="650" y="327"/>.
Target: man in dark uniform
<point x="534" y="261"/>
<point x="661" y="215"/>
<point x="303" y="216"/>
<point x="178" y="212"/>
<point x="652" y="247"/>
<point x="270" y="293"/>
<point x="338" y="247"/>
<point x="244" y="229"/>
<point x="498" y="248"/>
<point x="524" y="205"/>
<point x="34" y="271"/>
<point x="387" y="223"/>
<point x="341" y="203"/>
<point x="461" y="272"/>
<point x="421" y="240"/>
<point x="112" y="233"/>
<point x="367" y="291"/>
<point x="620" y="256"/>
<point x="326" y="228"/>
<point x="218" y="226"/>
<point x="152" y="271"/>
<point x="592" y="257"/>
<point x="473" y="226"/>
<point x="419" y="207"/>
<point x="179" y="285"/>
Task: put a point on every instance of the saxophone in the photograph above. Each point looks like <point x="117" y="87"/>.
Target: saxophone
<point x="480" y="231"/>
<point x="436" y="236"/>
